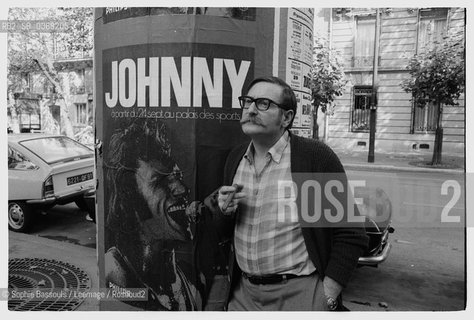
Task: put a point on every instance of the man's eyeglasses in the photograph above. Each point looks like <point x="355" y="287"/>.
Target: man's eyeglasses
<point x="262" y="104"/>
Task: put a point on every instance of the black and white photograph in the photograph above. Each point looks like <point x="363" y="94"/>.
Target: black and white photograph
<point x="281" y="157"/>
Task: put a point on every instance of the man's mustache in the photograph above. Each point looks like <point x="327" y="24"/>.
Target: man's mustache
<point x="253" y="120"/>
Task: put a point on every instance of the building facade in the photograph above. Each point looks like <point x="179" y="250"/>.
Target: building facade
<point x="36" y="95"/>
<point x="401" y="126"/>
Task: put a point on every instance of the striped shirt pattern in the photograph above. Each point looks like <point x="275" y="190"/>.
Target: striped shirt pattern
<point x="265" y="243"/>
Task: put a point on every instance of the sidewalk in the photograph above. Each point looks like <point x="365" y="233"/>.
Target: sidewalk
<point x="396" y="162"/>
<point x="30" y="246"/>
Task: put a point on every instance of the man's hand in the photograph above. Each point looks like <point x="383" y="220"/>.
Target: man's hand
<point x="193" y="211"/>
<point x="229" y="197"/>
<point x="332" y="289"/>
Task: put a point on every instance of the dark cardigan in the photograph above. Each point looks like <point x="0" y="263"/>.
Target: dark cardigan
<point x="334" y="251"/>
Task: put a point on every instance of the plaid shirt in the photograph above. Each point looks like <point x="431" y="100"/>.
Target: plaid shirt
<point x="264" y="243"/>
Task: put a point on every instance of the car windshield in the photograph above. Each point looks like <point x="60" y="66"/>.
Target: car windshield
<point x="57" y="149"/>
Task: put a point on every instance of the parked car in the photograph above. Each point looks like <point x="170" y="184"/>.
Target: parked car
<point x="45" y="170"/>
<point x="377" y="209"/>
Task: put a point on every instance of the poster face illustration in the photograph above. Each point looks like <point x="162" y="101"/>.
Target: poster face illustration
<point x="148" y="233"/>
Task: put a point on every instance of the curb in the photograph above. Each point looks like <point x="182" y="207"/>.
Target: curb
<point x="392" y="168"/>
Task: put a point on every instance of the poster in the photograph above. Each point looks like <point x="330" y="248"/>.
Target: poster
<point x="299" y="53"/>
<point x="167" y="105"/>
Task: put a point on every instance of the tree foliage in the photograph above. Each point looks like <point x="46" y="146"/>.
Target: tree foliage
<point x="327" y="76"/>
<point x="79" y="36"/>
<point x="437" y="75"/>
<point x="75" y="41"/>
<point x="437" y="78"/>
<point x="32" y="52"/>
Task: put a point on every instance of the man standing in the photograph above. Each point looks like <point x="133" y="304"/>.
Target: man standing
<point x="275" y="264"/>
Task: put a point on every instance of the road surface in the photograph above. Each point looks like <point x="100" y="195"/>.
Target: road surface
<point x="426" y="267"/>
<point x="66" y="223"/>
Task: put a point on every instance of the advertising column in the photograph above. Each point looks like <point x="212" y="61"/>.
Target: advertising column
<point x="167" y="115"/>
<point x="299" y="59"/>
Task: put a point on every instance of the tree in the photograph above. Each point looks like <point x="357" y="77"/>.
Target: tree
<point x="437" y="78"/>
<point x="35" y="53"/>
<point x="327" y="80"/>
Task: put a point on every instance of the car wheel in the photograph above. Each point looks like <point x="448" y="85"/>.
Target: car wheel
<point x="20" y="216"/>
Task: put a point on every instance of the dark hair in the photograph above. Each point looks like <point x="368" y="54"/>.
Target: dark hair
<point x="288" y="96"/>
<point x="134" y="141"/>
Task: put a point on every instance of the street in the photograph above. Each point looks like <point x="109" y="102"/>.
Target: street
<point x="424" y="271"/>
<point x="66" y="223"/>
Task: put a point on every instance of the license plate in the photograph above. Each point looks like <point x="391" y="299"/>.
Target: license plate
<point x="80" y="178"/>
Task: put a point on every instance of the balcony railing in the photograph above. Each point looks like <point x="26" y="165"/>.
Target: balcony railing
<point x="364" y="61"/>
<point x="425" y="119"/>
<point x="78" y="90"/>
<point x="360" y="117"/>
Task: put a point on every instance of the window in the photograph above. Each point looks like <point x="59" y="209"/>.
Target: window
<point x="364" y="42"/>
<point x="77" y="82"/>
<point x="81" y="113"/>
<point x="57" y="149"/>
<point x="431" y="30"/>
<point x="425" y="119"/>
<point x="360" y="116"/>
<point x="17" y="161"/>
<point x="29" y="120"/>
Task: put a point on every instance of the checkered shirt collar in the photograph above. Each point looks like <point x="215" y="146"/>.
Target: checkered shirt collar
<point x="275" y="152"/>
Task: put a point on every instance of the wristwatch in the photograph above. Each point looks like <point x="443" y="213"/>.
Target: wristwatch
<point x="331" y="303"/>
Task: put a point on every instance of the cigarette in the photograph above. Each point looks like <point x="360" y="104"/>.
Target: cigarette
<point x="230" y="196"/>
